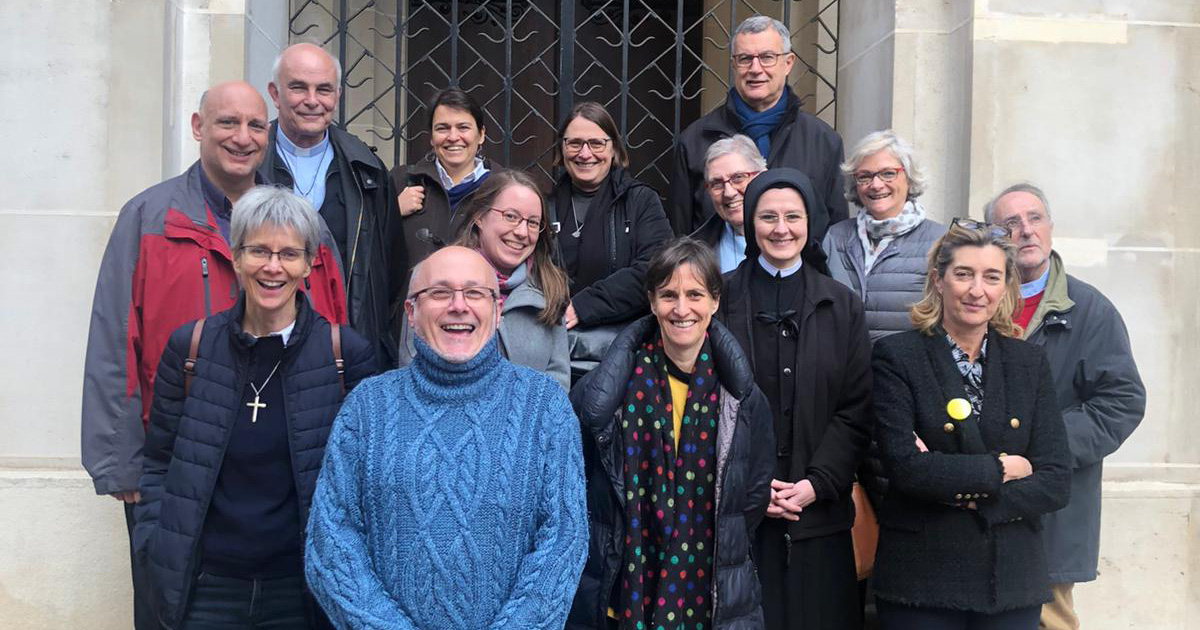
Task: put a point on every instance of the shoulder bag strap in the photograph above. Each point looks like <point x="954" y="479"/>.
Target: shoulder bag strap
<point x="189" y="364"/>
<point x="335" y="332"/>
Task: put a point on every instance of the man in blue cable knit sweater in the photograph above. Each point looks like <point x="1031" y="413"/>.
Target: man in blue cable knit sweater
<point x="452" y="493"/>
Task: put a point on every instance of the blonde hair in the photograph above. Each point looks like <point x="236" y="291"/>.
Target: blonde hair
<point x="927" y="313"/>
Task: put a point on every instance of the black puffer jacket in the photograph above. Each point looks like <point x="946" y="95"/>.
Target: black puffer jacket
<point x="745" y="457"/>
<point x="188" y="435"/>
<point x="608" y="289"/>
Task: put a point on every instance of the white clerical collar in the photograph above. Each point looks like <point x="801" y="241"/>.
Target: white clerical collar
<point x="448" y="183"/>
<point x="286" y="144"/>
<point x="286" y="333"/>
<point x="1034" y="287"/>
<point x="775" y="271"/>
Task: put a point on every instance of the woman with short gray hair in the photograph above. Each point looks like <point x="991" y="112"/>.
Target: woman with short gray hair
<point x="243" y="404"/>
<point x="881" y="253"/>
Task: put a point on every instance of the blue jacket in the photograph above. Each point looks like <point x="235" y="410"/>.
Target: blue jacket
<point x="188" y="435"/>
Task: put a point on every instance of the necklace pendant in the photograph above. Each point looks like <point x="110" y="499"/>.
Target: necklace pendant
<point x="577" y="232"/>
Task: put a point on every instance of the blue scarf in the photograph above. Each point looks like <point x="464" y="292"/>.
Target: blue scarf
<point x="460" y="192"/>
<point x="758" y="125"/>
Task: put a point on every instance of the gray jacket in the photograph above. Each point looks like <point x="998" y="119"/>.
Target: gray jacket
<point x="1102" y="400"/>
<point x="523" y="339"/>
<point x="896" y="280"/>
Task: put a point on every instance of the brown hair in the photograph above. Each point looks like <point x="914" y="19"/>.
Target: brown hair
<point x="544" y="274"/>
<point x="594" y="112"/>
<point x="676" y="253"/>
<point x="927" y="313"/>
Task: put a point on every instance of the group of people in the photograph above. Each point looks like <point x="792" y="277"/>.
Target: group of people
<point x="609" y="413"/>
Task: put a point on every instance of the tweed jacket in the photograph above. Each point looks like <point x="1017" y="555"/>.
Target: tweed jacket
<point x="934" y="549"/>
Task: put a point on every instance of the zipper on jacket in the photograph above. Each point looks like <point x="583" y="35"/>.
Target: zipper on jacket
<point x="787" y="546"/>
<point x="204" y="277"/>
<point x="357" y="235"/>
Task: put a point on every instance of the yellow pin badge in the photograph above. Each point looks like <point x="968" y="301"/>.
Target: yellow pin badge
<point x="959" y="409"/>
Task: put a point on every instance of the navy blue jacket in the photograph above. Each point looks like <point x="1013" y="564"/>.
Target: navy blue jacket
<point x="187" y="437"/>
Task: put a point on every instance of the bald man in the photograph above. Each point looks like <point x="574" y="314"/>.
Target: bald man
<point x="347" y="184"/>
<point x="167" y="263"/>
<point x="452" y="494"/>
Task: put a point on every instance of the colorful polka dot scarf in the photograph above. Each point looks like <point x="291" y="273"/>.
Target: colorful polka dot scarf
<point x="666" y="573"/>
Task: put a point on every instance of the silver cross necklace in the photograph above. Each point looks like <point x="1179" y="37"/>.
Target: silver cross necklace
<point x="256" y="405"/>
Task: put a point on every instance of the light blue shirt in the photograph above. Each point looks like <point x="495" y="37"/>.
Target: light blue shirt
<point x="309" y="167"/>
<point x="475" y="174"/>
<point x="731" y="249"/>
<point x="1034" y="287"/>
<point x="776" y="271"/>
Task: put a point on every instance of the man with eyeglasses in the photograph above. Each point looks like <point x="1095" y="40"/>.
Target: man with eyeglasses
<point x="345" y="182"/>
<point x="1099" y="389"/>
<point x="729" y="165"/>
<point x="167" y="263"/>
<point x="452" y="494"/>
<point x="761" y="106"/>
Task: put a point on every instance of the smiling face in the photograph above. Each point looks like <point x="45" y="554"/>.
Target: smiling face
<point x="305" y="93"/>
<point x="231" y="128"/>
<point x="728" y="200"/>
<point x="971" y="288"/>
<point x="587" y="167"/>
<point x="459" y="327"/>
<point x="455" y="139"/>
<point x="684" y="308"/>
<point x="882" y="200"/>
<point x="781" y="226"/>
<point x="761" y="87"/>
<point x="503" y="244"/>
<point x="1032" y="231"/>
<point x="270" y="284"/>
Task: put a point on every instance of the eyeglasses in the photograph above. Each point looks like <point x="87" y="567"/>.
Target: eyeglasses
<point x="766" y="59"/>
<point x="512" y="218"/>
<point x="790" y="218"/>
<point x="575" y="145"/>
<point x="262" y="255"/>
<point x="992" y="229"/>
<point x="717" y="184"/>
<point x="443" y="295"/>
<point x="863" y="178"/>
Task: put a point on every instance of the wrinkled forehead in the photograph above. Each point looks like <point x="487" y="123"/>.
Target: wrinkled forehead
<point x="456" y="268"/>
<point x="727" y="164"/>
<point x="1019" y="203"/>
<point x="763" y="41"/>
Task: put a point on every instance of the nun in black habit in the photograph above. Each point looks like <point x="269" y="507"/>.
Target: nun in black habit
<point x="806" y="337"/>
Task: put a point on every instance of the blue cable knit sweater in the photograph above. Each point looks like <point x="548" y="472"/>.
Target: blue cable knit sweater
<point x="452" y="496"/>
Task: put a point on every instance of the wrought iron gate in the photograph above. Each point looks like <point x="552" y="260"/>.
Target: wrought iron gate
<point x="657" y="65"/>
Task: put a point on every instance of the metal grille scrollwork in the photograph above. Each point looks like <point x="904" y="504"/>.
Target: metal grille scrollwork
<point x="657" y="65"/>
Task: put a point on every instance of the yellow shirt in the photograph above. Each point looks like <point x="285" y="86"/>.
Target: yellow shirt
<point x="679" y="391"/>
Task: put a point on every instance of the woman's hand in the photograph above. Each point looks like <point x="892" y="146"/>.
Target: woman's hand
<point x="781" y="507"/>
<point x="410" y="200"/>
<point x="1015" y="467"/>
<point x="569" y="317"/>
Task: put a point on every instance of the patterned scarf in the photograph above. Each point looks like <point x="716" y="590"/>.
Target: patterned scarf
<point x="666" y="571"/>
<point x="875" y="235"/>
<point x="972" y="373"/>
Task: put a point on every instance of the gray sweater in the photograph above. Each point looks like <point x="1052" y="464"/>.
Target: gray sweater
<point x="896" y="280"/>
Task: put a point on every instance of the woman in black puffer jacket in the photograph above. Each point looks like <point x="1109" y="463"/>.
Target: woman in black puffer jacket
<point x="234" y="447"/>
<point x="674" y="405"/>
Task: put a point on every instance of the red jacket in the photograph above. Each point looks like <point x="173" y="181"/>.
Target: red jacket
<point x="166" y="264"/>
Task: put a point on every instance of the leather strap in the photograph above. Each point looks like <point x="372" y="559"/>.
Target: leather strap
<point x="335" y="331"/>
<point x="189" y="364"/>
